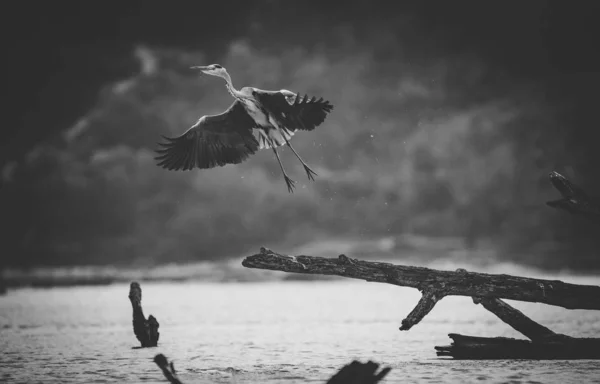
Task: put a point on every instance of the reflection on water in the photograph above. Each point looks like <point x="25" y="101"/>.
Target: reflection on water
<point x="288" y="332"/>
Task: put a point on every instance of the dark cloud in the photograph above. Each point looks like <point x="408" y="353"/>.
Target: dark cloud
<point x="443" y="126"/>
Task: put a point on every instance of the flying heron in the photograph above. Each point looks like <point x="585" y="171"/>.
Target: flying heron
<point x="257" y="119"/>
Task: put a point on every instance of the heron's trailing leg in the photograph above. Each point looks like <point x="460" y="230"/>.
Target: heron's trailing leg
<point x="290" y="183"/>
<point x="309" y="172"/>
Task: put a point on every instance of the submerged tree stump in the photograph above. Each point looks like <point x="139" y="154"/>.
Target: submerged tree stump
<point x="359" y="373"/>
<point x="353" y="373"/>
<point x="168" y="369"/>
<point x="485" y="289"/>
<point x="146" y="331"/>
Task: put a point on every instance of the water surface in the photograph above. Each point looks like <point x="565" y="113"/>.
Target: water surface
<point x="269" y="332"/>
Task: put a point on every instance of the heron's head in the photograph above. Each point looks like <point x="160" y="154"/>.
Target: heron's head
<point x="213" y="69"/>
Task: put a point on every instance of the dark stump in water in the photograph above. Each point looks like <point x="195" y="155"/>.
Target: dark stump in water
<point x="353" y="373"/>
<point x="359" y="373"/>
<point x="168" y="369"/>
<point x="146" y="331"/>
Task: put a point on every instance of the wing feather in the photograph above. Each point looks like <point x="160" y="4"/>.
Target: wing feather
<point x="296" y="112"/>
<point x="214" y="141"/>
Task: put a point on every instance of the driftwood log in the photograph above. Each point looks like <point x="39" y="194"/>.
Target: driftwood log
<point x="480" y="348"/>
<point x="146" y="331"/>
<point x="485" y="289"/>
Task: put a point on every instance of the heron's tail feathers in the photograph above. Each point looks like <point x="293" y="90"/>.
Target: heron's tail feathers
<point x="275" y="138"/>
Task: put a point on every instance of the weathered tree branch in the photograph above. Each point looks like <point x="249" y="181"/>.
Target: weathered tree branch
<point x="485" y="289"/>
<point x="146" y="331"/>
<point x="516" y="319"/>
<point x="424" y="306"/>
<point x="544" y="343"/>
<point x="443" y="283"/>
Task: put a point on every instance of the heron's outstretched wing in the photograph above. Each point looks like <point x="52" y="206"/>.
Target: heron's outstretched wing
<point x="215" y="140"/>
<point x="297" y="112"/>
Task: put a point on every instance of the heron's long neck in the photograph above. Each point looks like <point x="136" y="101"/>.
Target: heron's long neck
<point x="234" y="92"/>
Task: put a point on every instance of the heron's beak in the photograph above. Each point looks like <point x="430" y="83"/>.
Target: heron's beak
<point x="202" y="68"/>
